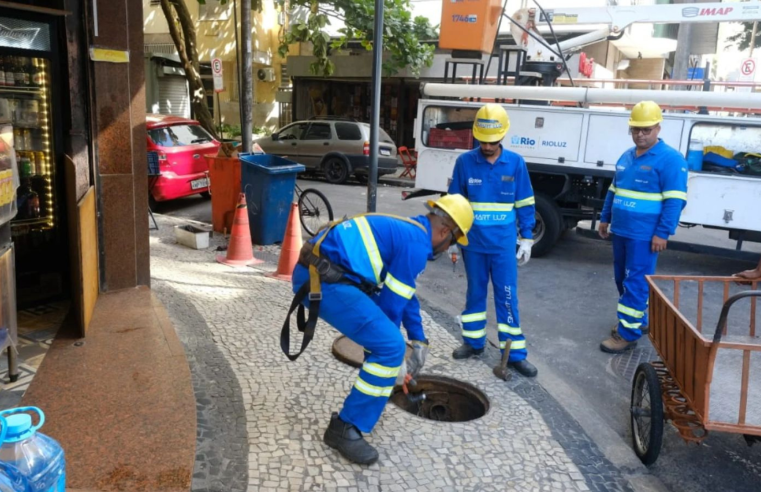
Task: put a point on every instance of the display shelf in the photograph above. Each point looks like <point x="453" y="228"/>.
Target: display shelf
<point x="21" y="91"/>
<point x="28" y="222"/>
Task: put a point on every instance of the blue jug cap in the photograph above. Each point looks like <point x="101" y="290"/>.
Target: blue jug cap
<point x="19" y="425"/>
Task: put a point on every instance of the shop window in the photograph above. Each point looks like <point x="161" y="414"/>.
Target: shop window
<point x="318" y="131"/>
<point x="155" y="3"/>
<point x="348" y="131"/>
<point x="214" y="10"/>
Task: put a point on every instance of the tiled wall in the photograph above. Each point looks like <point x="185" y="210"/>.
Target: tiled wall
<point x="120" y="144"/>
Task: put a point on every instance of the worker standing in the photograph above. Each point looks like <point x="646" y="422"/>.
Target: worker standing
<point x="360" y="275"/>
<point x="496" y="182"/>
<point x="641" y="211"/>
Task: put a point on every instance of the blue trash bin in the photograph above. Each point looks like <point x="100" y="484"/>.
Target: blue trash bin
<point x="268" y="182"/>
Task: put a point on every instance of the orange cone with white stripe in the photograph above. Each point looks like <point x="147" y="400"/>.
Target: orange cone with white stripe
<point x="239" y="251"/>
<point x="292" y="242"/>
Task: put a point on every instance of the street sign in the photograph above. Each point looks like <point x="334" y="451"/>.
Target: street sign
<point x="216" y="70"/>
<point x="748" y="71"/>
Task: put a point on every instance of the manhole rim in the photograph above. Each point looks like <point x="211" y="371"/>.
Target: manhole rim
<point x="481" y="396"/>
<point x="347" y="360"/>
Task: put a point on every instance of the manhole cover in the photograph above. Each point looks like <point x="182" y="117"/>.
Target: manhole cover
<point x="350" y="353"/>
<point x="625" y="365"/>
<point x="446" y="400"/>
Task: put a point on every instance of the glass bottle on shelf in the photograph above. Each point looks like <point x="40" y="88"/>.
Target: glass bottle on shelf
<point x="26" y="69"/>
<point x="18" y="139"/>
<point x="38" y="75"/>
<point x="18" y="72"/>
<point x="10" y="76"/>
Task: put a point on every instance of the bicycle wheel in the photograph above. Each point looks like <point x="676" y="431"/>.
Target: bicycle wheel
<point x="315" y="210"/>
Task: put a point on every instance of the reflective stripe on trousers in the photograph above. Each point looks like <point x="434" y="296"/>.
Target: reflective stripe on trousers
<point x="354" y="314"/>
<point x="633" y="259"/>
<point x="503" y="270"/>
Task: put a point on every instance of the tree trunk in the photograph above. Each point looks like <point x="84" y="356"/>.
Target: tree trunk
<point x="247" y="92"/>
<point x="183" y="34"/>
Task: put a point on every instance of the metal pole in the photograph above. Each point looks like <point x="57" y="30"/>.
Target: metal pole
<point x="753" y="38"/>
<point x="237" y="61"/>
<point x="372" y="182"/>
<point x="247" y="123"/>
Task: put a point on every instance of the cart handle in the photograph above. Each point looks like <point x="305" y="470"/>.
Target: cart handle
<point x="725" y="311"/>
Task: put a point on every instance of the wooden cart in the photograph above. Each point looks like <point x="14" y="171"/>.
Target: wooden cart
<point x="678" y="387"/>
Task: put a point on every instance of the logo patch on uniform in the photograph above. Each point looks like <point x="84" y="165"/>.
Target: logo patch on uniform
<point x="508" y="178"/>
<point x="645" y="168"/>
<point x="474" y="181"/>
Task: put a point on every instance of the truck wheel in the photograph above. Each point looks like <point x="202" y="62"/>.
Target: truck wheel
<point x="549" y="225"/>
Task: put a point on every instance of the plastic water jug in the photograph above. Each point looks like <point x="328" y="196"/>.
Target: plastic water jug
<point x="695" y="155"/>
<point x="6" y="472"/>
<point x="37" y="458"/>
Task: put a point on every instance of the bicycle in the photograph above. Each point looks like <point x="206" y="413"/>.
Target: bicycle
<point x="315" y="211"/>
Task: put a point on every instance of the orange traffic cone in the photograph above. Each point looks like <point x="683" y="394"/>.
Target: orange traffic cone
<point x="239" y="250"/>
<point x="292" y="242"/>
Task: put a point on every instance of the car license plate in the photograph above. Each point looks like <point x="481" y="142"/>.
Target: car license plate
<point x="385" y="152"/>
<point x="197" y="184"/>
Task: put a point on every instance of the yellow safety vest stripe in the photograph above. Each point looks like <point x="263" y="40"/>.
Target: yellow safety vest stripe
<point x="369" y="389"/>
<point x="474" y="333"/>
<point x="653" y="197"/>
<point x="630" y="312"/>
<point x="525" y="202"/>
<point x="398" y="287"/>
<point x="491" y="207"/>
<point x="515" y="345"/>
<point x="678" y="195"/>
<point x="380" y="371"/>
<point x="510" y="330"/>
<point x="469" y="318"/>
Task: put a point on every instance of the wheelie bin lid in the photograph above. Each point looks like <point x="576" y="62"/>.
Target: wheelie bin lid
<point x="267" y="160"/>
<point x="292" y="168"/>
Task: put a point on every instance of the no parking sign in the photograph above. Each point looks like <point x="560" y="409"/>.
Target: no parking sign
<point x="216" y="70"/>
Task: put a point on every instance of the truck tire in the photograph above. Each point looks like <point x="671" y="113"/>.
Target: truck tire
<point x="549" y="225"/>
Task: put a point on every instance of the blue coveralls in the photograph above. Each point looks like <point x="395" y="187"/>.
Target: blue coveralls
<point x="496" y="192"/>
<point x="645" y="200"/>
<point x="380" y="250"/>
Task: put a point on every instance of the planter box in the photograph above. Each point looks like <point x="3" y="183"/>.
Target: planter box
<point x="192" y="236"/>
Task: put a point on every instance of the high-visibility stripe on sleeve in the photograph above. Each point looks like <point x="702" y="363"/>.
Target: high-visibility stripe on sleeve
<point x="631" y="326"/>
<point x="398" y="287"/>
<point x="612" y="189"/>
<point x="679" y="195"/>
<point x="371" y="246"/>
<point x="510" y="330"/>
<point x="369" y="389"/>
<point x="653" y="197"/>
<point x="491" y="207"/>
<point x="474" y="333"/>
<point x="515" y="345"/>
<point x="630" y="312"/>
<point x="525" y="202"/>
<point x="470" y="318"/>
<point x="380" y="371"/>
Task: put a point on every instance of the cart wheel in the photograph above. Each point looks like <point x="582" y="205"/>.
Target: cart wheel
<point x="647" y="414"/>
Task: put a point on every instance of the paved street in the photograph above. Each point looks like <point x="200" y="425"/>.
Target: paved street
<point x="568" y="306"/>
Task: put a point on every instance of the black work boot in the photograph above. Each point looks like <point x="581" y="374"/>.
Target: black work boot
<point x="524" y="367"/>
<point x="347" y="440"/>
<point x="465" y="351"/>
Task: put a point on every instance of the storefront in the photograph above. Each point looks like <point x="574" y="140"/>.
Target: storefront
<point x="347" y="98"/>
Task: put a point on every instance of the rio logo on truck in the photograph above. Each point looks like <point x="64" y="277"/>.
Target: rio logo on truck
<point x="517" y="141"/>
<point x="466" y="19"/>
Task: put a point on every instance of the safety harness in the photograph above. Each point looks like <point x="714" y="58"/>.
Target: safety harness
<point x="323" y="270"/>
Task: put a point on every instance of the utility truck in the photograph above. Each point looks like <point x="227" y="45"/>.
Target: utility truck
<point x="571" y="137"/>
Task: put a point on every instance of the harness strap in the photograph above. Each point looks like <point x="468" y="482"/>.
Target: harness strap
<point x="313" y="289"/>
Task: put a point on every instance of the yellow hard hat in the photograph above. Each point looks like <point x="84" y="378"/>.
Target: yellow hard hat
<point x="458" y="208"/>
<point x="645" y="113"/>
<point x="491" y="123"/>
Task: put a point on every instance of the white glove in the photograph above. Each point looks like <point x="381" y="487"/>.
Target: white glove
<point x="402" y="372"/>
<point x="524" y="251"/>
<point x="417" y="359"/>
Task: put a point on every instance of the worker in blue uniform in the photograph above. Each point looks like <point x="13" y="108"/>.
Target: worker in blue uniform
<point x="496" y="182"/>
<point x="641" y="211"/>
<point x="360" y="277"/>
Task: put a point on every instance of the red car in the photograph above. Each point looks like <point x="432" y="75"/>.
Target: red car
<point x="181" y="145"/>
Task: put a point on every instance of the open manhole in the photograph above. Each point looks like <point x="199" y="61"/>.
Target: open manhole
<point x="446" y="400"/>
<point x="351" y="353"/>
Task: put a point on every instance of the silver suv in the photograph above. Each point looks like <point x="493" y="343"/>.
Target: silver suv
<point x="337" y="147"/>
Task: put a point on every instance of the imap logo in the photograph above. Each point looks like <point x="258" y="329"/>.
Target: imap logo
<point x="467" y="19"/>
<point x="517" y="141"/>
<point x="485" y="124"/>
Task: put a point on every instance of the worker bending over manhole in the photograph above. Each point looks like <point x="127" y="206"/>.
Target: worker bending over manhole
<point x="359" y="276"/>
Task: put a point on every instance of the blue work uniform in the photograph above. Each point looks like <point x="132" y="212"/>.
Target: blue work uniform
<point x="497" y="192"/>
<point x="645" y="200"/>
<point x="387" y="252"/>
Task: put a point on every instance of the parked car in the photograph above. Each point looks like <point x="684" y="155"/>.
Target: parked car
<point x="180" y="144"/>
<point x="337" y="147"/>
